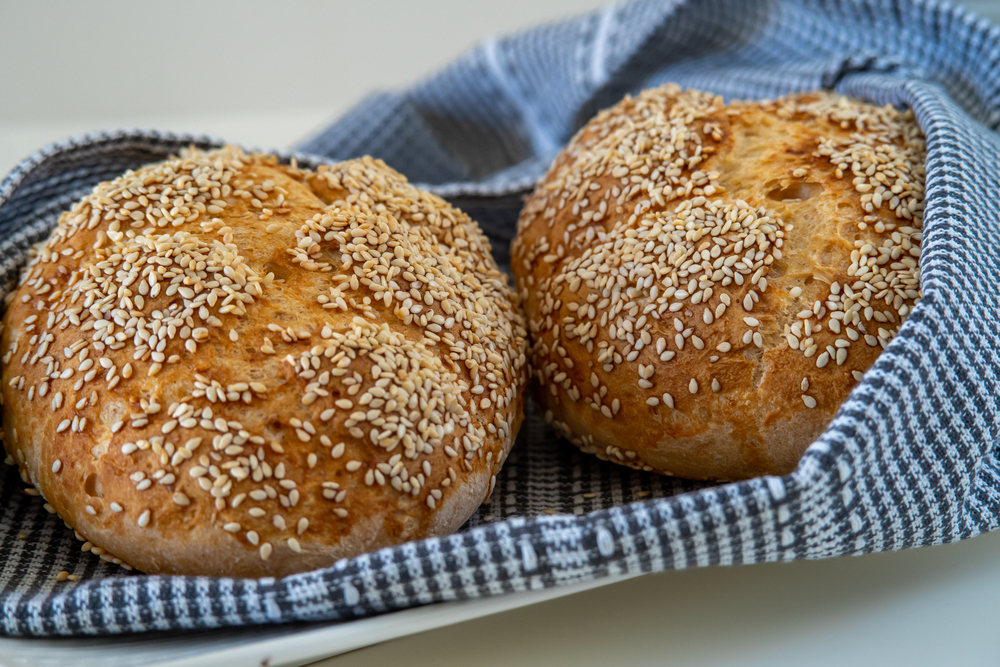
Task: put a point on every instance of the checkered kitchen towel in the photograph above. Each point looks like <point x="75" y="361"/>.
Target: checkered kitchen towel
<point x="910" y="460"/>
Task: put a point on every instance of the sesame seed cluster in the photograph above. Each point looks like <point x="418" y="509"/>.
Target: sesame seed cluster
<point x="244" y="357"/>
<point x="704" y="283"/>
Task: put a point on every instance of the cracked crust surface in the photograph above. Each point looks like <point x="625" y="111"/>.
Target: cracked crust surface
<point x="704" y="283"/>
<point x="223" y="365"/>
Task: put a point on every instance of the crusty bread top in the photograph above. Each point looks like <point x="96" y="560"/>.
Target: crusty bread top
<point x="220" y="354"/>
<point x="697" y="272"/>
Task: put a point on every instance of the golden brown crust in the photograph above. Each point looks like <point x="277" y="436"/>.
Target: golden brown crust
<point x="222" y="365"/>
<point x="704" y="283"/>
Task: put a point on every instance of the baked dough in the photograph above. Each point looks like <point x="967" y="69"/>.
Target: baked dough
<point x="705" y="283"/>
<point x="225" y="365"/>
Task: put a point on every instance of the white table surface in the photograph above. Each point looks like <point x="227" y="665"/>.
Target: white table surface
<point x="936" y="606"/>
<point x="267" y="75"/>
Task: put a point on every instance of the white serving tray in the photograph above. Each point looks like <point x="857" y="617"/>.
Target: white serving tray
<point x="274" y="646"/>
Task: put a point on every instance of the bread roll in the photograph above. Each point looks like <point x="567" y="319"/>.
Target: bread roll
<point x="704" y="283"/>
<point x="223" y="365"/>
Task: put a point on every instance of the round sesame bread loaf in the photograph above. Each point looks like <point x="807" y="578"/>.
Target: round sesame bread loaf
<point x="704" y="283"/>
<point x="223" y="365"/>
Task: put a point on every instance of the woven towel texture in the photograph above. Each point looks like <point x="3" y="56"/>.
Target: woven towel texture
<point x="910" y="460"/>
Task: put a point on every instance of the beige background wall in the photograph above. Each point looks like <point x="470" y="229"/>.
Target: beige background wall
<point x="256" y="72"/>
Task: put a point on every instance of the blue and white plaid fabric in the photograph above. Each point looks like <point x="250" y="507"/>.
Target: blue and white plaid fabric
<point x="910" y="460"/>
